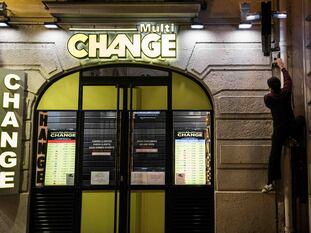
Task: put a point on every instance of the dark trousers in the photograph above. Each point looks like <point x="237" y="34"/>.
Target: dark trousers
<point x="280" y="134"/>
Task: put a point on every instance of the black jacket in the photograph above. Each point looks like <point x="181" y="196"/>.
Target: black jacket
<point x="280" y="103"/>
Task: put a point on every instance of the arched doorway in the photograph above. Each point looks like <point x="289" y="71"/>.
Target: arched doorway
<point x="124" y="149"/>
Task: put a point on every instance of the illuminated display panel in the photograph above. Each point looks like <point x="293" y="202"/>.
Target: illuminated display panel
<point x="190" y="157"/>
<point x="59" y="150"/>
<point x="192" y="147"/>
<point x="60" y="162"/>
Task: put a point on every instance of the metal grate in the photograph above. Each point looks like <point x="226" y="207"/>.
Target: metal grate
<point x="52" y="211"/>
<point x="190" y="209"/>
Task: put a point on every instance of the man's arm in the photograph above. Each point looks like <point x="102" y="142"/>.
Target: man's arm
<point x="288" y="84"/>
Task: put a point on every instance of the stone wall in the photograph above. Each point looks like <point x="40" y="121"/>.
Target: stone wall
<point x="229" y="63"/>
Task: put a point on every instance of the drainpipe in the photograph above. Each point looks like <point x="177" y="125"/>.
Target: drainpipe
<point x="288" y="228"/>
<point x="287" y="176"/>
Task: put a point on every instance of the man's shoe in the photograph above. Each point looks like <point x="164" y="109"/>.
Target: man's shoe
<point x="267" y="188"/>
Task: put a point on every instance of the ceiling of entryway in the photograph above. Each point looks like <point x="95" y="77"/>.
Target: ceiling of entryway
<point x="36" y="10"/>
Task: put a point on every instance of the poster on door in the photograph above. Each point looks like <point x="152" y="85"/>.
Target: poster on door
<point x="190" y="157"/>
<point x="60" y="162"/>
<point x="101" y="147"/>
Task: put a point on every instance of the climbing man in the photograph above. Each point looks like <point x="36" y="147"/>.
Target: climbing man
<point x="279" y="102"/>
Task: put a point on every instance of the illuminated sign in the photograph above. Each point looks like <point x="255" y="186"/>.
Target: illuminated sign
<point x="152" y="41"/>
<point x="41" y="147"/>
<point x="11" y="120"/>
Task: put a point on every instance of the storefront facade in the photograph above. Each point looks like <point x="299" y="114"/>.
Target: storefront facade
<point x="206" y="90"/>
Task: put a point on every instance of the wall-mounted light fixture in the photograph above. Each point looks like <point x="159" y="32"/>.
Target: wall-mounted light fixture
<point x="275" y="14"/>
<point x="51" y="25"/>
<point x="244" y="11"/>
<point x="253" y="16"/>
<point x="4" y="20"/>
<point x="279" y="14"/>
<point x="3" y="10"/>
<point x="4" y="24"/>
<point x="196" y="24"/>
<point x="265" y="16"/>
<point x="245" y="25"/>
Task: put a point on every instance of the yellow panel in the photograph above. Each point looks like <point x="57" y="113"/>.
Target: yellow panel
<point x="150" y="98"/>
<point x="97" y="214"/>
<point x="188" y="95"/>
<point x="61" y="95"/>
<point x="100" y="98"/>
<point x="147" y="211"/>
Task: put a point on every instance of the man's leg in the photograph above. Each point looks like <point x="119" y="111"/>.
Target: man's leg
<point x="274" y="168"/>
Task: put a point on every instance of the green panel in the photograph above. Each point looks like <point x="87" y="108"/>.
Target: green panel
<point x="100" y="98"/>
<point x="61" y="95"/>
<point x="150" y="98"/>
<point x="188" y="95"/>
<point x="97" y="214"/>
<point x="147" y="211"/>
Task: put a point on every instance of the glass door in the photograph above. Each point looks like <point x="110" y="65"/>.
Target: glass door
<point x="123" y="158"/>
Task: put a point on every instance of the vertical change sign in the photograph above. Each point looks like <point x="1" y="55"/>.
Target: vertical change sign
<point x="12" y="85"/>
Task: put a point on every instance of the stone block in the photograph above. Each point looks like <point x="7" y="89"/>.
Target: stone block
<point x="241" y="179"/>
<point x="240" y="102"/>
<point x="245" y="212"/>
<point x="27" y="130"/>
<point x="35" y="81"/>
<point x="182" y="60"/>
<point x="25" y="181"/>
<point x="13" y="213"/>
<point x="243" y="129"/>
<point x="26" y="155"/>
<point x="207" y="56"/>
<point x="30" y="99"/>
<point x="31" y="55"/>
<point x="220" y="80"/>
<point x="243" y="154"/>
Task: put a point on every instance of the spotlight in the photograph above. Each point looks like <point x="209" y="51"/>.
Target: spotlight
<point x="279" y="14"/>
<point x="245" y="25"/>
<point x="253" y="16"/>
<point x="51" y="25"/>
<point x="4" y="24"/>
<point x="196" y="24"/>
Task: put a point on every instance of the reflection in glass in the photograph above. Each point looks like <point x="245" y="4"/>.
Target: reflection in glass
<point x="148" y="147"/>
<point x="99" y="148"/>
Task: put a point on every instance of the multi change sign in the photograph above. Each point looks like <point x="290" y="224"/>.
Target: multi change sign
<point x="11" y="119"/>
<point x="151" y="41"/>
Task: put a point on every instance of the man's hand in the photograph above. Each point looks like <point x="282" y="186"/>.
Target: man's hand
<point x="280" y="63"/>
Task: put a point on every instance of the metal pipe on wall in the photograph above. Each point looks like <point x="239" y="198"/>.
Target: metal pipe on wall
<point x="287" y="175"/>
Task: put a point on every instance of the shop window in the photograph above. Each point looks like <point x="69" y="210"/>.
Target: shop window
<point x="187" y="94"/>
<point x="148" y="148"/>
<point x="61" y="95"/>
<point x="99" y="148"/>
